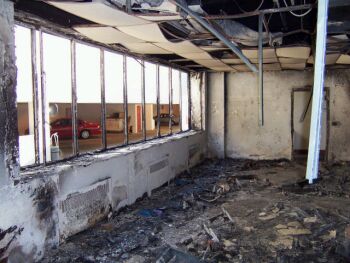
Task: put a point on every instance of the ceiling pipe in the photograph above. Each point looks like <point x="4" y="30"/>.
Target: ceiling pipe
<point x="216" y="33"/>
<point x="262" y="11"/>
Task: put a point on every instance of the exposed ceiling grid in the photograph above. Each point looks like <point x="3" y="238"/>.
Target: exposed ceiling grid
<point x="140" y="33"/>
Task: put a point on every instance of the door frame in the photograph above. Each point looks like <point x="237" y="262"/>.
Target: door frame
<point x="326" y="94"/>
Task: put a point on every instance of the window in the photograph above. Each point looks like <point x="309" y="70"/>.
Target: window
<point x="184" y="102"/>
<point x="164" y="95"/>
<point x="88" y="98"/>
<point x="62" y="84"/>
<point x="58" y="97"/>
<point x="115" y="113"/>
<point x="135" y="114"/>
<point x="175" y="105"/>
<point x="25" y="101"/>
<point x="151" y="100"/>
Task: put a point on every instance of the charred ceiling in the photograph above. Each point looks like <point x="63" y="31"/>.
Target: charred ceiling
<point x="160" y="29"/>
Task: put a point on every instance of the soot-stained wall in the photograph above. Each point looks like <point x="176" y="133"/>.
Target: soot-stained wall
<point x="52" y="203"/>
<point x="245" y="139"/>
<point x="8" y="113"/>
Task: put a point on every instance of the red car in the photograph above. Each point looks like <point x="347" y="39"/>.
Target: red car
<point x="64" y="129"/>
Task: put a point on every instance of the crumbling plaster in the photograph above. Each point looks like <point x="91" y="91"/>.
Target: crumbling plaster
<point x="33" y="209"/>
<point x="244" y="137"/>
<point x="216" y="111"/>
<point x="198" y="99"/>
<point x="8" y="114"/>
<point x="40" y="207"/>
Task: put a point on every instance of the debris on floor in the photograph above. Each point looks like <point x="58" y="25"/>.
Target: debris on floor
<point x="227" y="211"/>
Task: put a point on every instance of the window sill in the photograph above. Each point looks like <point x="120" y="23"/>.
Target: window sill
<point x="87" y="159"/>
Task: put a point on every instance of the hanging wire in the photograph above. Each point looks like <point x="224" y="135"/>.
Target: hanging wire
<point x="245" y="11"/>
<point x="297" y="15"/>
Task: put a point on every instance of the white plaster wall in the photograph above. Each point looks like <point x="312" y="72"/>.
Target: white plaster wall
<point x="34" y="203"/>
<point x="216" y="109"/>
<point x="196" y="84"/>
<point x="245" y="139"/>
<point x="339" y="141"/>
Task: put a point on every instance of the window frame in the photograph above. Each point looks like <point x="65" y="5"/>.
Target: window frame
<point x="39" y="99"/>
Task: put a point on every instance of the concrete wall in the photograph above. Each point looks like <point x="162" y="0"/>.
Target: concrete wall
<point x="216" y="111"/>
<point x="49" y="204"/>
<point x="8" y="113"/>
<point x="197" y="87"/>
<point x="42" y="206"/>
<point x="245" y="139"/>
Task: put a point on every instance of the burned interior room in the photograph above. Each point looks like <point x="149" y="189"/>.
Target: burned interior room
<point x="166" y="131"/>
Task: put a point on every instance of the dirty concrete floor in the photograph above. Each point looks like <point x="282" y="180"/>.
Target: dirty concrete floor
<point x="227" y="211"/>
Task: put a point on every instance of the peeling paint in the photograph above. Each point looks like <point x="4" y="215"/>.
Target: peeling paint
<point x="7" y="236"/>
<point x="8" y="112"/>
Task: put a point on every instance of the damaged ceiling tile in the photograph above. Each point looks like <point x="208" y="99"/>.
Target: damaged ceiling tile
<point x="145" y="48"/>
<point x="148" y="32"/>
<point x="99" y="12"/>
<point x="211" y="62"/>
<point x="310" y="60"/>
<point x="223" y="68"/>
<point x="196" y="56"/>
<point x="291" y="60"/>
<point x="265" y="60"/>
<point x="232" y="60"/>
<point x="253" y="53"/>
<point x="294" y="52"/>
<point x="183" y="47"/>
<point x="343" y="59"/>
<point x="107" y="35"/>
<point x="330" y="59"/>
<point x="213" y="48"/>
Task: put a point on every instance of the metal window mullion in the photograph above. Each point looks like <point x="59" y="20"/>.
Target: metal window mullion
<point x="43" y="95"/>
<point x="201" y="83"/>
<point x="261" y="77"/>
<point x="125" y="91"/>
<point x="74" y="107"/>
<point x="180" y="100"/>
<point x="143" y="100"/>
<point x="170" y="100"/>
<point x="35" y="94"/>
<point x="158" y="100"/>
<point x="189" y="101"/>
<point x="103" y="99"/>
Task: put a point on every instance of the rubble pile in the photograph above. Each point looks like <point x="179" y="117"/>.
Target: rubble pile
<point x="227" y="211"/>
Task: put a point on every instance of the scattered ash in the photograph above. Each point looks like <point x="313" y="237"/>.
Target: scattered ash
<point x="227" y="211"/>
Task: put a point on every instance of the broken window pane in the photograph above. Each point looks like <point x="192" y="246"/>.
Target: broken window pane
<point x="134" y="100"/>
<point x="164" y="100"/>
<point x="184" y="101"/>
<point x="175" y="101"/>
<point x="114" y="99"/>
<point x="25" y="104"/>
<point x="88" y="98"/>
<point x="57" y="68"/>
<point x="151" y="100"/>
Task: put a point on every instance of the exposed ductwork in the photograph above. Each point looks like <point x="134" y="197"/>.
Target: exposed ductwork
<point x="246" y="36"/>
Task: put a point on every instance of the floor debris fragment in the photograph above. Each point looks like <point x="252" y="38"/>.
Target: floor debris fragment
<point x="227" y="211"/>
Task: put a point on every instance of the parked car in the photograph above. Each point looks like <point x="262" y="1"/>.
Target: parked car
<point x="165" y="118"/>
<point x="64" y="129"/>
